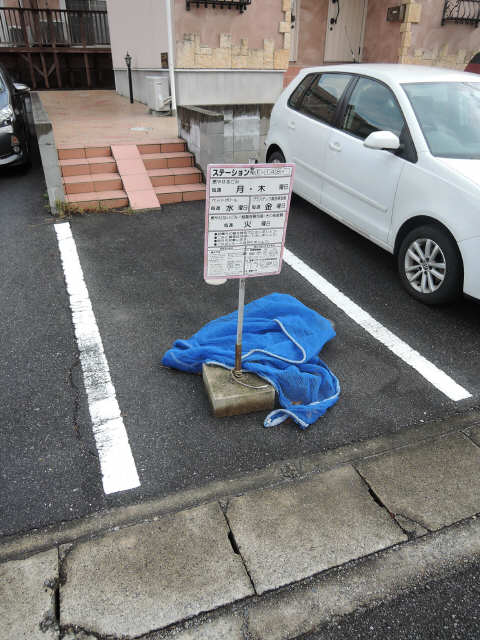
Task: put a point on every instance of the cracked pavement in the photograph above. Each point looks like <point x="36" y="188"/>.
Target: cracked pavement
<point x="227" y="538"/>
<point x="269" y="558"/>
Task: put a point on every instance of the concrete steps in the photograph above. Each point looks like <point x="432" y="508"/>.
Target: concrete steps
<point x="180" y="193"/>
<point x="99" y="200"/>
<point x="92" y="182"/>
<point x="179" y="175"/>
<point x="140" y="176"/>
<point x="176" y="159"/>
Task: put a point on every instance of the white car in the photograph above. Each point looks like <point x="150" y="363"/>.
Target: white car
<point x="392" y="151"/>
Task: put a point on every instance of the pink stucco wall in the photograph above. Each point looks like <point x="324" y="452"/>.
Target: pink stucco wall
<point x="429" y="34"/>
<point x="261" y="20"/>
<point x="312" y="27"/>
<point x="382" y="39"/>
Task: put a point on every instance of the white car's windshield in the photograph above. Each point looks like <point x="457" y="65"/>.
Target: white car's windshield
<point x="449" y="115"/>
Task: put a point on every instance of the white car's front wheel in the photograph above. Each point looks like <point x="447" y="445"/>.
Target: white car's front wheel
<point x="430" y="265"/>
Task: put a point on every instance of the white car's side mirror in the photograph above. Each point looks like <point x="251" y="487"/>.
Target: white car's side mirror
<point x="382" y="140"/>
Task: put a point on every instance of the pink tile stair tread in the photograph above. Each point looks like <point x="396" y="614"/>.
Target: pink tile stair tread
<point x="125" y="151"/>
<point x="175" y="188"/>
<point x="89" y="177"/>
<point x="100" y="160"/>
<point x="169" y="154"/>
<point x="130" y="167"/>
<point x="133" y="173"/>
<point x="136" y="182"/>
<point x="173" y="171"/>
<point x="95" y="196"/>
<point x="143" y="199"/>
<point x="73" y="162"/>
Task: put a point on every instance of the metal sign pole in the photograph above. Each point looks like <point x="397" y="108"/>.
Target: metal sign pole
<point x="237" y="372"/>
<point x="238" y="346"/>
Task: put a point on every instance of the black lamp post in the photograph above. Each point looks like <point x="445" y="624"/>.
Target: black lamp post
<point x="128" y="62"/>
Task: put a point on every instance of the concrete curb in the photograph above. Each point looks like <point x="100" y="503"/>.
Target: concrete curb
<point x="48" y="153"/>
<point x="18" y="546"/>
<point x="292" y="546"/>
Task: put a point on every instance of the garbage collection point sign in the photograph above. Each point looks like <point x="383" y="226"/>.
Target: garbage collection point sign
<point x="246" y="217"/>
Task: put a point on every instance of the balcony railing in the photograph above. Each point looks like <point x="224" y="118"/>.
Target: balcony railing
<point x="461" y="12"/>
<point x="241" y="5"/>
<point x="53" y="28"/>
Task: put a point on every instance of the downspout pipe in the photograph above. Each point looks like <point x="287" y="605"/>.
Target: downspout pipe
<point x="171" y="57"/>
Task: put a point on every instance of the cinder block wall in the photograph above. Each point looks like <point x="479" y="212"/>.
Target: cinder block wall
<point x="224" y="133"/>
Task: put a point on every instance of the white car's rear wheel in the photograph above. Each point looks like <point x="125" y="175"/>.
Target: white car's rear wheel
<point x="430" y="265"/>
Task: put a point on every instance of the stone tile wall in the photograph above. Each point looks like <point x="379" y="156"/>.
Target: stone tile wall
<point x="426" y="42"/>
<point x="191" y="54"/>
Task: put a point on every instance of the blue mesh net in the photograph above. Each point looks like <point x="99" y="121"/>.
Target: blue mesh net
<point x="281" y="342"/>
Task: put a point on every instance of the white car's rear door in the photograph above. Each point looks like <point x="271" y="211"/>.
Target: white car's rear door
<point x="309" y="123"/>
<point x="360" y="183"/>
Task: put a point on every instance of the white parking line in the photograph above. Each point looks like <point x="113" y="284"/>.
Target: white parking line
<point x="427" y="369"/>
<point x="118" y="468"/>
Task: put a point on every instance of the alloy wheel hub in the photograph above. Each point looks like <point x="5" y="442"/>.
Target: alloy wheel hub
<point x="425" y="265"/>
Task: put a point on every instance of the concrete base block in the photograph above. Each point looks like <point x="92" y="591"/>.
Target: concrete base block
<point x="229" y="398"/>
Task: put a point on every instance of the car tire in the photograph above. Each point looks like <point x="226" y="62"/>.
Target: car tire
<point x="27" y="159"/>
<point x="276" y="156"/>
<point x="430" y="265"/>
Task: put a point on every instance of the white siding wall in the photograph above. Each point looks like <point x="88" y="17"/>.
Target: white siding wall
<point x="139" y="27"/>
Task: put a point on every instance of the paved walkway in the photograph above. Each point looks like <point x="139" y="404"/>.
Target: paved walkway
<point x="97" y="118"/>
<point x="405" y="505"/>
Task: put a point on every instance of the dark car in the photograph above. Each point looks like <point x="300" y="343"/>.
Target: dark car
<point x="14" y="129"/>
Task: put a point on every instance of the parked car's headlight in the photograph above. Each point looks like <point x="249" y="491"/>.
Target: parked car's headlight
<point x="6" y="116"/>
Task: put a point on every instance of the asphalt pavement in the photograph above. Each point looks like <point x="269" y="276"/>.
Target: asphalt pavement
<point x="48" y="460"/>
<point x="447" y="608"/>
<point x="224" y="527"/>
<point x="144" y="277"/>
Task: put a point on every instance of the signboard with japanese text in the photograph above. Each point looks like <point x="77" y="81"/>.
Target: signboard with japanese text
<point x="246" y="218"/>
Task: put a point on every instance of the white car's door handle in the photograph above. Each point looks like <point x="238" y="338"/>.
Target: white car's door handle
<point x="291" y="125"/>
<point x="335" y="146"/>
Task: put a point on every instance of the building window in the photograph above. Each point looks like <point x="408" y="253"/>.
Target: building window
<point x="86" y="5"/>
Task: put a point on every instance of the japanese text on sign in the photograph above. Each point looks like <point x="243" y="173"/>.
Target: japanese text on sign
<point x="246" y="219"/>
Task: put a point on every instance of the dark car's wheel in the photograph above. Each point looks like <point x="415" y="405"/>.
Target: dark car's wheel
<point x="276" y="156"/>
<point x="430" y="265"/>
<point x="27" y="157"/>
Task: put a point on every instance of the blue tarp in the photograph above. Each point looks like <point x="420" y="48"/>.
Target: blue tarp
<point x="281" y="342"/>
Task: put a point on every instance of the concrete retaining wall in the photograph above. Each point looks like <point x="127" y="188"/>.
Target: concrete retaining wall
<point x="210" y="87"/>
<point x="139" y="82"/>
<point x="48" y="152"/>
<point x="224" y="133"/>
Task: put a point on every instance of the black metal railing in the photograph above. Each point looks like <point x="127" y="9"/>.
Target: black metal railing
<point x="53" y="27"/>
<point x="241" y="5"/>
<point x="461" y="12"/>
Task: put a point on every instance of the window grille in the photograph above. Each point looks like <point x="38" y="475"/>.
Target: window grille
<point x="241" y="5"/>
<point x="461" y="12"/>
